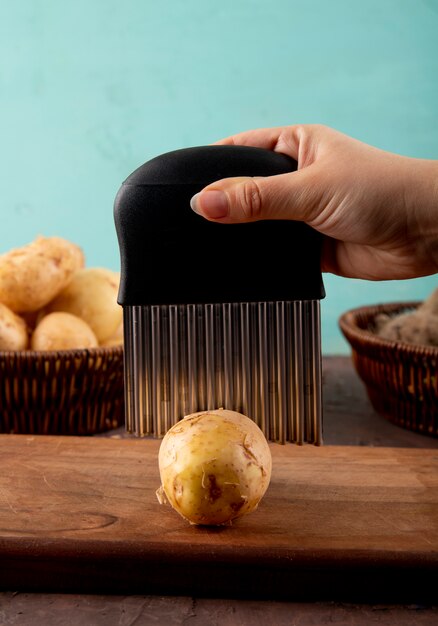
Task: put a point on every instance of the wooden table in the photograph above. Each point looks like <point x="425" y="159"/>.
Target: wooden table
<point x="348" y="420"/>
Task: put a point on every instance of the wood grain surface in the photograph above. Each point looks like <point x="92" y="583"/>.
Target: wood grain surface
<point x="81" y="515"/>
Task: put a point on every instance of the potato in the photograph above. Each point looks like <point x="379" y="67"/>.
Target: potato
<point x="13" y="330"/>
<point x="114" y="340"/>
<point x="62" y="331"/>
<point x="31" y="276"/>
<point x="417" y="328"/>
<point x="92" y="296"/>
<point x="214" y="466"/>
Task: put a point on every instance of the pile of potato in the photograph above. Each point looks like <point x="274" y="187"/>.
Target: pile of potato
<point x="419" y="327"/>
<point x="49" y="300"/>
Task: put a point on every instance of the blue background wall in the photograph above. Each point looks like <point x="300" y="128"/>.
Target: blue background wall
<point x="91" y="89"/>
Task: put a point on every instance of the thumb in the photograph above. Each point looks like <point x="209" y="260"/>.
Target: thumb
<point x="285" y="196"/>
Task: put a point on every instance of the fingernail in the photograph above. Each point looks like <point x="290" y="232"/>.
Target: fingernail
<point x="212" y="204"/>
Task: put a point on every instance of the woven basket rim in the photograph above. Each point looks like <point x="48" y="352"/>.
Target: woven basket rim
<point x="349" y="327"/>
<point x="61" y="354"/>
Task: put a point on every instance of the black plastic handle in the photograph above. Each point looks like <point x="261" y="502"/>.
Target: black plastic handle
<point x="171" y="255"/>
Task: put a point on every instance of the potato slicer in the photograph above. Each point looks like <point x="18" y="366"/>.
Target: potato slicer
<point x="217" y="315"/>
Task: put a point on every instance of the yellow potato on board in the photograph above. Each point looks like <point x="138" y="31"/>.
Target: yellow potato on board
<point x="214" y="466"/>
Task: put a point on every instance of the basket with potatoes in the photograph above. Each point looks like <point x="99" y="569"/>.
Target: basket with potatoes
<point x="61" y="342"/>
<point x="395" y="353"/>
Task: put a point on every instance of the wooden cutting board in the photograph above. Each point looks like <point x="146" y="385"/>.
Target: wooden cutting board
<point x="81" y="515"/>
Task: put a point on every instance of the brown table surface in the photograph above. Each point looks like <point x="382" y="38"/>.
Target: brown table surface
<point x="348" y="420"/>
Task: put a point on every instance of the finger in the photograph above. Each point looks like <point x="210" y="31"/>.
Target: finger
<point x="285" y="139"/>
<point x="286" y="196"/>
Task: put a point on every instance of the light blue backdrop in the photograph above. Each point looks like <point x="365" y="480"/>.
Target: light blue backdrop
<point x="91" y="89"/>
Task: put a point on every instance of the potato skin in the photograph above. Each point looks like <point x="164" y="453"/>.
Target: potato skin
<point x="418" y="328"/>
<point x="13" y="330"/>
<point x="214" y="466"/>
<point x="92" y="296"/>
<point x="114" y="340"/>
<point x="32" y="275"/>
<point x="62" y="331"/>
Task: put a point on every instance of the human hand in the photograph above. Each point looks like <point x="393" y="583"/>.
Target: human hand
<point x="378" y="211"/>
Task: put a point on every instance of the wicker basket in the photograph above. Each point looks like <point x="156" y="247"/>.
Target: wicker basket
<point x="401" y="379"/>
<point x="76" y="392"/>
